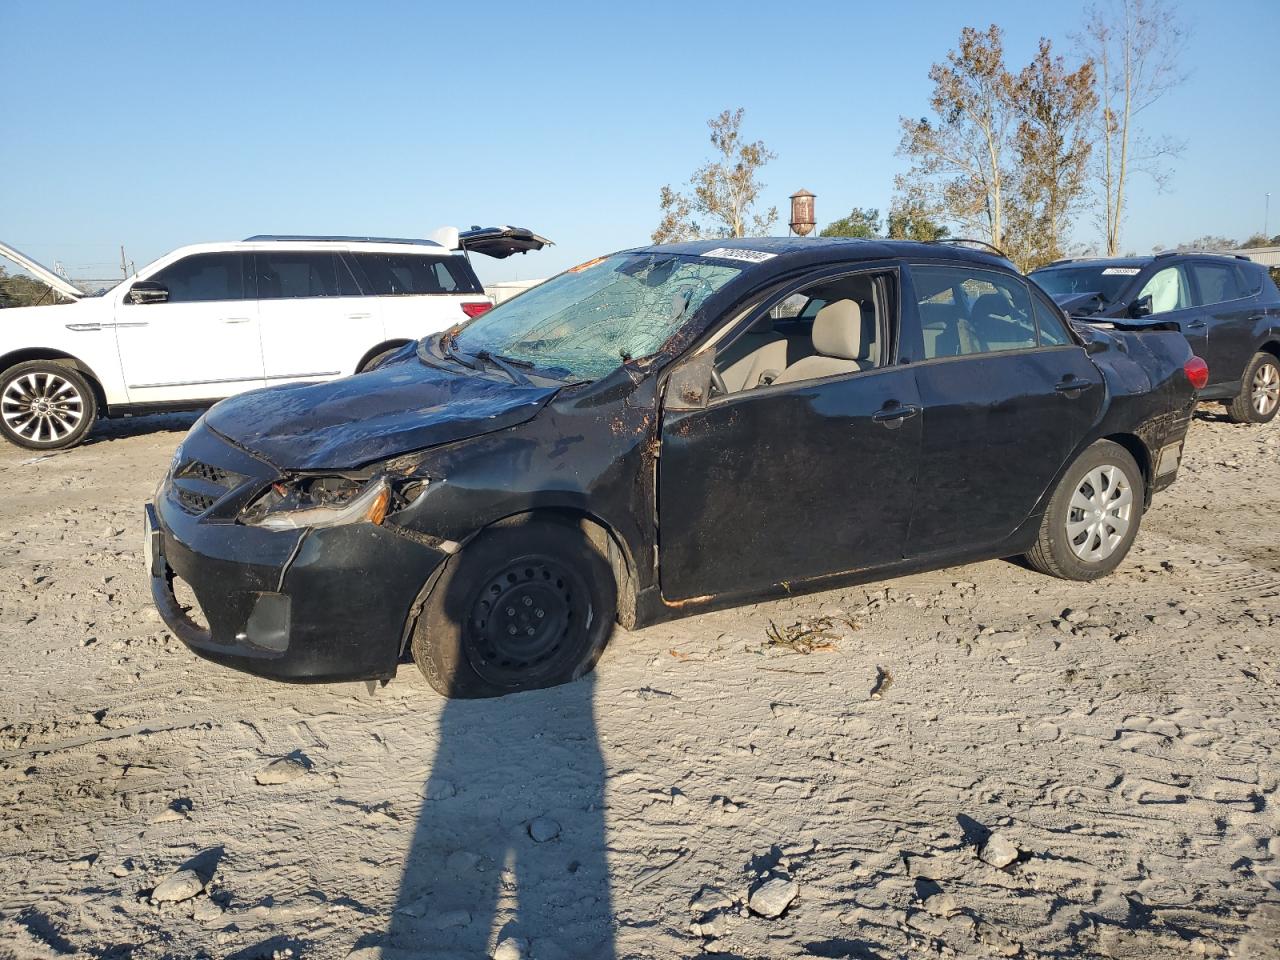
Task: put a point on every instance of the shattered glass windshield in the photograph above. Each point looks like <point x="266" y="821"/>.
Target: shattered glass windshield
<point x="1098" y="278"/>
<point x="595" y="316"/>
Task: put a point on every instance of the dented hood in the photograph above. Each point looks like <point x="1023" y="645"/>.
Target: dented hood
<point x="348" y="423"/>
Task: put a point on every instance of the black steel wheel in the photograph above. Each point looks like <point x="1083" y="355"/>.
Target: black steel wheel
<point x="525" y="605"/>
<point x="524" y="619"/>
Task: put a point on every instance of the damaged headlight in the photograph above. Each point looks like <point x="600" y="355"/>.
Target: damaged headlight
<point x="319" y="502"/>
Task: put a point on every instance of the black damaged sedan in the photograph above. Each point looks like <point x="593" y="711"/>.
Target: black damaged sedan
<point x="657" y="433"/>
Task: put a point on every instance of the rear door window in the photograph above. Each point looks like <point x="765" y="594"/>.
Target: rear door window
<point x="408" y="274"/>
<point x="203" y="277"/>
<point x="289" y="275"/>
<point x="1216" y="283"/>
<point x="967" y="311"/>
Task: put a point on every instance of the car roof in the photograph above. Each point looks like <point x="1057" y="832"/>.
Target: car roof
<point x="1097" y="262"/>
<point x="300" y="243"/>
<point x="1140" y="261"/>
<point x="786" y="251"/>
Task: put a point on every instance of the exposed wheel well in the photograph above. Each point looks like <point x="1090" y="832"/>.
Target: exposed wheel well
<point x="380" y="348"/>
<point x="606" y="540"/>
<point x="1138" y="450"/>
<point x="1271" y="347"/>
<point x="48" y="353"/>
<point x="597" y="531"/>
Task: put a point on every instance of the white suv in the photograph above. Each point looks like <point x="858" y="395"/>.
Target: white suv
<point x="213" y="319"/>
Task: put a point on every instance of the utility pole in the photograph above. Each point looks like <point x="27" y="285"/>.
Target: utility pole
<point x="124" y="266"/>
<point x="1266" y="217"/>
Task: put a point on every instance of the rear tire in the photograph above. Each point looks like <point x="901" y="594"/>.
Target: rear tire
<point x="46" y="405"/>
<point x="1259" y="397"/>
<point x="524" y="606"/>
<point x="1093" y="517"/>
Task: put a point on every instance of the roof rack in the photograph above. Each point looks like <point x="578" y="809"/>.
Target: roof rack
<point x="982" y="243"/>
<point x="1201" y="253"/>
<point x="330" y="239"/>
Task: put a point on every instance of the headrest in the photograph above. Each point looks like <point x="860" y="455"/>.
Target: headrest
<point x="991" y="305"/>
<point x="837" y="330"/>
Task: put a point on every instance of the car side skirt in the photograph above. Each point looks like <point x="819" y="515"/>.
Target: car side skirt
<point x="653" y="608"/>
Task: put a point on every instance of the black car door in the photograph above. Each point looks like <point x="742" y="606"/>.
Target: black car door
<point x="1004" y="405"/>
<point x="781" y="483"/>
<point x="1218" y="291"/>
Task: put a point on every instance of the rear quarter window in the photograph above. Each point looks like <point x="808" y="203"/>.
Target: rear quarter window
<point x="411" y="274"/>
<point x="1053" y="329"/>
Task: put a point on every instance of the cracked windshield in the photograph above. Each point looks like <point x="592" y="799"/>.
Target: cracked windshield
<point x="597" y="315"/>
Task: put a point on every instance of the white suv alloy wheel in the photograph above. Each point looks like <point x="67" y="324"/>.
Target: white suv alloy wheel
<point x="42" y="407"/>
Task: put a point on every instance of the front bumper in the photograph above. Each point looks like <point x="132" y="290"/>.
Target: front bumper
<point x="307" y="606"/>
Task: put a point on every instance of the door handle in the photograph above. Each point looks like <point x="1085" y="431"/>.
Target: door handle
<point x="235" y="319"/>
<point x="1073" y="386"/>
<point x="359" y="316"/>
<point x="1196" y="325"/>
<point x="893" y="414"/>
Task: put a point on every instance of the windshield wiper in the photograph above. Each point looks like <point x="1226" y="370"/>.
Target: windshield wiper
<point x="448" y="348"/>
<point x="507" y="366"/>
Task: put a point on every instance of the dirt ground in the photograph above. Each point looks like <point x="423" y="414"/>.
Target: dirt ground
<point x="977" y="762"/>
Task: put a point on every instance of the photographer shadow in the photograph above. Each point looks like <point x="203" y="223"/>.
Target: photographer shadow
<point x="510" y="841"/>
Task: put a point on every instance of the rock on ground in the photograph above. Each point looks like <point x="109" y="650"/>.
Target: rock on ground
<point x="177" y="887"/>
<point x="773" y="896"/>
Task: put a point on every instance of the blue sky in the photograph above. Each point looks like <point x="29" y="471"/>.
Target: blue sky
<point x="172" y="123"/>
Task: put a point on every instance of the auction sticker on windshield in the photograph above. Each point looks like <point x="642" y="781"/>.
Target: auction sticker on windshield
<point x="728" y="253"/>
<point x="1121" y="271"/>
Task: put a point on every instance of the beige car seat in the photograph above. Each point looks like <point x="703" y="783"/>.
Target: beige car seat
<point x="837" y="342"/>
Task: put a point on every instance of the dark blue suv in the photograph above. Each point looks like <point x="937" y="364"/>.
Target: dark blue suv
<point x="1226" y="306"/>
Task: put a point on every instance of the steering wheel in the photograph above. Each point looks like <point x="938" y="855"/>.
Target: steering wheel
<point x="717" y="382"/>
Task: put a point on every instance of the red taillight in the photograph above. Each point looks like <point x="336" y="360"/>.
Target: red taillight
<point x="1197" y="372"/>
<point x="474" y="310"/>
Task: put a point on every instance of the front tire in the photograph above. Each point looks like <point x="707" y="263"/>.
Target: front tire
<point x="46" y="405"/>
<point x="373" y="362"/>
<point x="524" y="606"/>
<point x="1093" y="517"/>
<point x="1259" y="397"/>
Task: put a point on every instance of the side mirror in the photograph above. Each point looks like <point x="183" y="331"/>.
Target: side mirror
<point x="1140" y="307"/>
<point x="689" y="386"/>
<point x="148" y="291"/>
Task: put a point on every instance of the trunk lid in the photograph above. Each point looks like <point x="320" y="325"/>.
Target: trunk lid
<point x="501" y="242"/>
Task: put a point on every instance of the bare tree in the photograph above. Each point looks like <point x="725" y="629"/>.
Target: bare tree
<point x="1053" y="143"/>
<point x="724" y="190"/>
<point x="1138" y="47"/>
<point x="959" y="158"/>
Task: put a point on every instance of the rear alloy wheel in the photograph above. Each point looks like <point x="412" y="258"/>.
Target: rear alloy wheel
<point x="1092" y="520"/>
<point x="45" y="405"/>
<point x="1259" y="397"/>
<point x="523" y="606"/>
